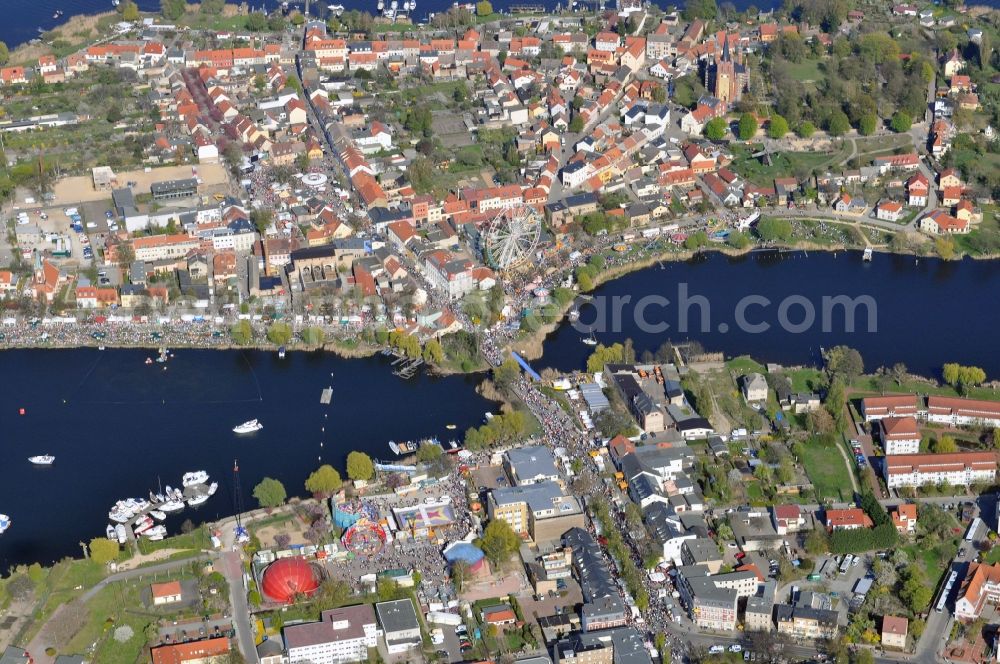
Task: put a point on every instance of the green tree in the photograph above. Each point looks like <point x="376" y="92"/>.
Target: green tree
<point x="806" y="129"/>
<point x="256" y="22"/>
<point x="428" y="452"/>
<point x="901" y="122"/>
<point x="261" y="219"/>
<point x="279" y="333"/>
<point x="130" y="11"/>
<point x="499" y="541"/>
<point x="704" y="9"/>
<point x="433" y="352"/>
<point x="816" y="542"/>
<point x="696" y="240"/>
<point x="777" y="127"/>
<point x="484" y="8"/>
<point x="103" y="550"/>
<point x="270" y="493"/>
<point x="748" y="126"/>
<point x="4" y="53"/>
<point x="576" y="124"/>
<point x="324" y="481"/>
<point x="868" y="124"/>
<point x="506" y="375"/>
<point x="313" y="336"/>
<point x="844" y="362"/>
<point x="716" y="128"/>
<point x="738" y="240"/>
<point x="360" y="466"/>
<point x="172" y="9"/>
<point x="838" y="124"/>
<point x="242" y="332"/>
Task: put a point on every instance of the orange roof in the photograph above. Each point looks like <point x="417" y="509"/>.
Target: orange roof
<point x="181" y="653"/>
<point x="168" y="589"/>
<point x="849" y="517"/>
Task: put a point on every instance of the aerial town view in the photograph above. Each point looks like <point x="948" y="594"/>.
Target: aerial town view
<point x="496" y="332"/>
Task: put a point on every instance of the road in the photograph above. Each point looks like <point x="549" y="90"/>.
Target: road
<point x="232" y="569"/>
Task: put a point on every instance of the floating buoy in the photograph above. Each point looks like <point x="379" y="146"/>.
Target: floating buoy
<point x="20" y="411"/>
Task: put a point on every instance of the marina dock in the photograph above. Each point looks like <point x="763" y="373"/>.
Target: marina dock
<point x="326" y="396"/>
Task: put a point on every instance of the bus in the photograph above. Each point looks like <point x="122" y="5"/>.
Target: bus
<point x="973" y="528"/>
<point x="946" y="591"/>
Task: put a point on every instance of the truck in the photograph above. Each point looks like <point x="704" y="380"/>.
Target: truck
<point x="443" y="618"/>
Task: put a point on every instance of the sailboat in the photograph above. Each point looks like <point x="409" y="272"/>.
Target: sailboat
<point x="591" y="340"/>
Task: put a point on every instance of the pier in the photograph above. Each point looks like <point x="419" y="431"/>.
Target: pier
<point x="406" y="367"/>
<point x="526" y="9"/>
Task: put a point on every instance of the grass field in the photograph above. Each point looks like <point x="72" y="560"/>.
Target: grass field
<point x="105" y="615"/>
<point x="744" y="363"/>
<point x="826" y="470"/>
<point x="934" y="559"/>
<point x="807" y="71"/>
<point x="784" y="164"/>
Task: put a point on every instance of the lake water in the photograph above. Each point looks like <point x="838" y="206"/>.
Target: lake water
<point x="119" y="427"/>
<point x="928" y="312"/>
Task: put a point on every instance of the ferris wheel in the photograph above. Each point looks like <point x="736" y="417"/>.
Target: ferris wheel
<point x="511" y="236"/>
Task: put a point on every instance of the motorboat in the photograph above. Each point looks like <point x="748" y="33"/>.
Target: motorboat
<point x="212" y="488"/>
<point x="336" y="10"/>
<point x="198" y="500"/>
<point x="172" y="506"/>
<point x="450" y="427"/>
<point x="155" y="533"/>
<point x="247" y="427"/>
<point x="111" y="533"/>
<point x="121" y="533"/>
<point x="142" y="524"/>
<point x="281" y="352"/>
<point x="159" y="515"/>
<point x="4" y="523"/>
<point x="394" y="447"/>
<point x="193" y="478"/>
<point x="42" y="459"/>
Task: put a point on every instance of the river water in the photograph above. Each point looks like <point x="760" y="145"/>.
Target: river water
<point x="119" y="427"/>
<point x="927" y="311"/>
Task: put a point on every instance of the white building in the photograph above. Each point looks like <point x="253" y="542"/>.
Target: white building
<point x="400" y="627"/>
<point x="341" y="635"/>
<point x="900" y="435"/>
<point x="958" y="469"/>
<point x="963" y="412"/>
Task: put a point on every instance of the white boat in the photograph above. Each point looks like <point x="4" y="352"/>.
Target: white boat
<point x="198" y="500"/>
<point x="4" y="523"/>
<point x="247" y="427"/>
<point x="42" y="459"/>
<point x="196" y="477"/>
<point x="489" y="416"/>
<point x="590" y="341"/>
<point x="155" y="533"/>
<point x="394" y="447"/>
<point x="121" y="533"/>
<point x="111" y="533"/>
<point x="159" y="515"/>
<point x="212" y="488"/>
<point x="172" y="506"/>
<point x="142" y="524"/>
<point x="336" y="10"/>
<point x="868" y="254"/>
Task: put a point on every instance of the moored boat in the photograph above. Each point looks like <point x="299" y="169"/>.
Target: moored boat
<point x="193" y="478"/>
<point x="155" y="533"/>
<point x="248" y="427"/>
<point x="198" y="500"/>
<point x="172" y="506"/>
<point x="159" y="515"/>
<point x="110" y="532"/>
<point x="4" y="523"/>
<point x="121" y="533"/>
